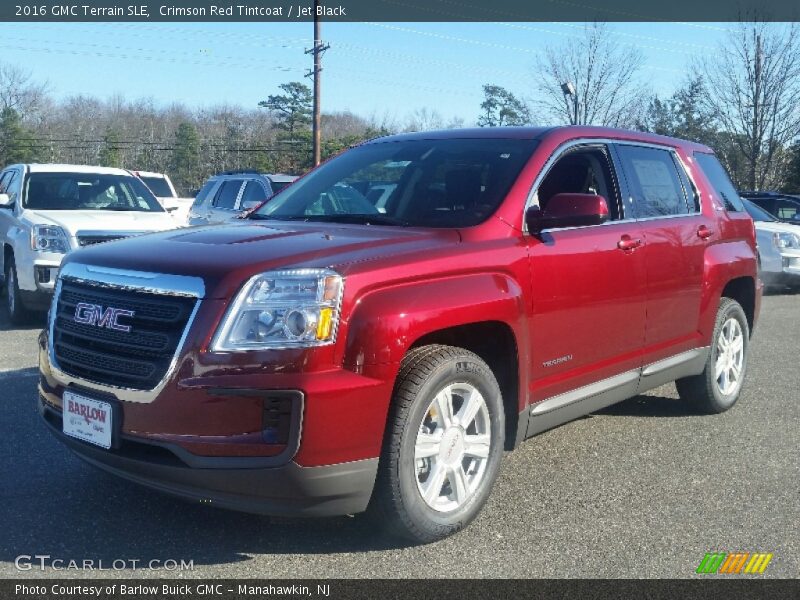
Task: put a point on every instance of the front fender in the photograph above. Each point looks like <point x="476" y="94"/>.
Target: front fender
<point x="386" y="322"/>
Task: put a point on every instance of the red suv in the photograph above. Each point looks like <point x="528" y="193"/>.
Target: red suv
<point x="376" y="335"/>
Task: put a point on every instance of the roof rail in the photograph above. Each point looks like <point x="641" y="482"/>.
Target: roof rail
<point x="239" y="172"/>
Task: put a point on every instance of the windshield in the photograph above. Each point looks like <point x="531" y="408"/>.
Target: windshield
<point x="88" y="191"/>
<point x="424" y="183"/>
<point x="158" y="185"/>
<point x="757" y="213"/>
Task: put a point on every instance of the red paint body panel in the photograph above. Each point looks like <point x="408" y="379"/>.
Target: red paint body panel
<point x="569" y="293"/>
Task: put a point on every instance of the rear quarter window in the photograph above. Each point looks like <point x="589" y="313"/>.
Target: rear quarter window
<point x="719" y="180"/>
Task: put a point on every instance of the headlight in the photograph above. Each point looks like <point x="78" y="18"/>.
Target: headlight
<point x="49" y="238"/>
<point x="786" y="240"/>
<point x="279" y="309"/>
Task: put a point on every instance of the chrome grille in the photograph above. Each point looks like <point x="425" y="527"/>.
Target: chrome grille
<point x="138" y="359"/>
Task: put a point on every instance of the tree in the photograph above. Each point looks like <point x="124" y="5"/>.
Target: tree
<point x="292" y="108"/>
<point x="603" y="75"/>
<point x="19" y="92"/>
<point x="682" y="115"/>
<point x="185" y="163"/>
<point x="752" y="85"/>
<point x="791" y="183"/>
<point x="110" y="155"/>
<point x="17" y="144"/>
<point x="502" y="108"/>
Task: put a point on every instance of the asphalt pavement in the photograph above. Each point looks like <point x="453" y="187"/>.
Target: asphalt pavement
<point x="642" y="489"/>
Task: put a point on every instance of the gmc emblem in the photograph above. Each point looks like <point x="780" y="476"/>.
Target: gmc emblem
<point x="94" y="314"/>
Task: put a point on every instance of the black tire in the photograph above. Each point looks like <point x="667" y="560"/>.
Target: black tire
<point x="703" y="391"/>
<point x="18" y="314"/>
<point x="397" y="503"/>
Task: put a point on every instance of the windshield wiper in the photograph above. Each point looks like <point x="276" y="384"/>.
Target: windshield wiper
<point x="362" y="219"/>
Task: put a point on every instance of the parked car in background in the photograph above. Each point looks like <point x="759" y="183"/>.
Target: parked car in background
<point x="784" y="207"/>
<point x="323" y="356"/>
<point x="227" y="195"/>
<point x="778" y="249"/>
<point x="46" y="211"/>
<point x="161" y="186"/>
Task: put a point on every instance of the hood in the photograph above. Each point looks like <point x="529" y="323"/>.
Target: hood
<point x="777" y="227"/>
<point x="73" y="221"/>
<point x="226" y="255"/>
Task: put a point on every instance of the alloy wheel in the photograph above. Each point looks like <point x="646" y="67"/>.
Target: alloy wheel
<point x="729" y="365"/>
<point x="452" y="447"/>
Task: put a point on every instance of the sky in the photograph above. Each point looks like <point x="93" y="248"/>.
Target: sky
<point x="383" y="70"/>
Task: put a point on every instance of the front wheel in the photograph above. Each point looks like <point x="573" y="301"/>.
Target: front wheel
<point x="443" y="445"/>
<point x="718" y="387"/>
<point x="17" y="313"/>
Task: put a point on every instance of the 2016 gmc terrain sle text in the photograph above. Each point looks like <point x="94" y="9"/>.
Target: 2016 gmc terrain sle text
<point x="373" y="337"/>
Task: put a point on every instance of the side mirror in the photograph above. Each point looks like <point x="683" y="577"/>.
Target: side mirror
<point x="249" y="205"/>
<point x="170" y="209"/>
<point x="5" y="201"/>
<point x="567" y="210"/>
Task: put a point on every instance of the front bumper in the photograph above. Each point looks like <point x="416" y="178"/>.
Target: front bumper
<point x="285" y="490"/>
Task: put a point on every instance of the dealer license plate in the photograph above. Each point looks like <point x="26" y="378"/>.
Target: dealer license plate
<point x="87" y="419"/>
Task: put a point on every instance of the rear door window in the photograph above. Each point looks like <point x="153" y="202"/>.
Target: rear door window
<point x="654" y="181"/>
<point x="227" y="194"/>
<point x="787" y="209"/>
<point x="720" y="182"/>
<point x="253" y="192"/>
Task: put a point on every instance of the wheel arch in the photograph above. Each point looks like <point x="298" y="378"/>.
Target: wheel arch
<point x="481" y="312"/>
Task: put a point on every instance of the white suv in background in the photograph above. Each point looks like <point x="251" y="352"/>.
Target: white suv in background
<point x="161" y="185"/>
<point x="47" y="211"/>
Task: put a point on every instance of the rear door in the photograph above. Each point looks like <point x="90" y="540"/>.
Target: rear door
<point x="225" y="202"/>
<point x="676" y="233"/>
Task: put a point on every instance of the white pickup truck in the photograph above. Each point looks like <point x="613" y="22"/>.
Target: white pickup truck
<point x="161" y="185"/>
<point x="47" y="211"/>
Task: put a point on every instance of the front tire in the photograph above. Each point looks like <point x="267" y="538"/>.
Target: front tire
<point x="443" y="446"/>
<point x="719" y="386"/>
<point x="17" y="312"/>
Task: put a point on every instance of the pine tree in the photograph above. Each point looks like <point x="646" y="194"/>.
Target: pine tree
<point x="17" y="144"/>
<point x="185" y="163"/>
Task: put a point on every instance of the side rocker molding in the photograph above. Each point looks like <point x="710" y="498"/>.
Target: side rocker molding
<point x="568" y="406"/>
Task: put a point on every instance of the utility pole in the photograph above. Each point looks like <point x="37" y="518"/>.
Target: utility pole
<point x="317" y="52"/>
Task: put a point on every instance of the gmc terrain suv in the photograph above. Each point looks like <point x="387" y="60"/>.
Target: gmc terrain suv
<point x="325" y="357"/>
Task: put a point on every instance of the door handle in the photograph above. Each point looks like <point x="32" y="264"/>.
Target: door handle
<point x="704" y="232"/>
<point x="628" y="243"/>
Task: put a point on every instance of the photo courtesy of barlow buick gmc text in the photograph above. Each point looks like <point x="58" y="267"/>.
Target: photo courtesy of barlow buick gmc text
<point x="419" y="299"/>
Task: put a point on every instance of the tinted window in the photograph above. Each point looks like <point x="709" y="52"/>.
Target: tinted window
<point x="277" y="186"/>
<point x="227" y="194"/>
<point x="718" y="177"/>
<point x="787" y="209"/>
<point x="655" y="185"/>
<point x="585" y="170"/>
<point x="158" y="185"/>
<point x="89" y="191"/>
<point x="757" y="213"/>
<point x="439" y="183"/>
<point x="253" y="192"/>
<point x="203" y="193"/>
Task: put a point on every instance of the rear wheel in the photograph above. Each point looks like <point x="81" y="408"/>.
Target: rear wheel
<point x="443" y="445"/>
<point x="17" y="313"/>
<point x="718" y="387"/>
